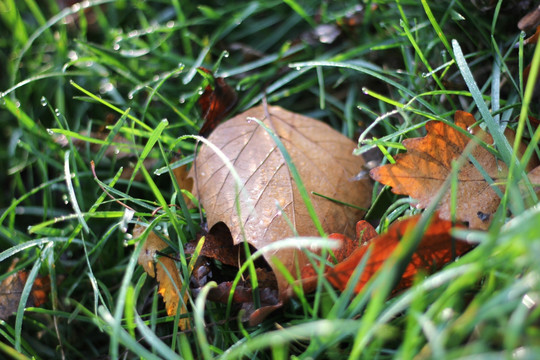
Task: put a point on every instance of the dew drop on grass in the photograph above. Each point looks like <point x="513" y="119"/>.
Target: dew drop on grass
<point x="72" y="55"/>
<point x="116" y="47"/>
<point x="50" y="132"/>
<point x="2" y="100"/>
<point x="365" y="90"/>
<point x="76" y="7"/>
<point x="65" y="199"/>
<point x="226" y="54"/>
<point x="106" y="87"/>
<point x="170" y="24"/>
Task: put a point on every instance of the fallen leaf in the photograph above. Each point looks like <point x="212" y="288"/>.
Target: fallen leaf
<point x="435" y="249"/>
<point x="534" y="178"/>
<point x="269" y="197"/>
<point x="11" y="290"/>
<point x="216" y="102"/>
<point x="421" y="171"/>
<point x="181" y="175"/>
<point x="533" y="39"/>
<point x="166" y="273"/>
<point x="531" y="20"/>
<point x="364" y="232"/>
<point x="218" y="245"/>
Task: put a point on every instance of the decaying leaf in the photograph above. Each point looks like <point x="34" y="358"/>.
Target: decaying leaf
<point x="364" y="233"/>
<point x="216" y="102"/>
<point x="11" y="290"/>
<point x="166" y="273"/>
<point x="435" y="249"/>
<point x="421" y="171"/>
<point x="531" y="20"/>
<point x="534" y="178"/>
<point x="218" y="246"/>
<point x="269" y="197"/>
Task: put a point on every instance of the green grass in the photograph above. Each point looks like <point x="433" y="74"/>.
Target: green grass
<point x="131" y="67"/>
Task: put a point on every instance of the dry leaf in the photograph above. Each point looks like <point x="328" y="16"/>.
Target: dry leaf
<point x="166" y="273"/>
<point x="534" y="177"/>
<point x="531" y="20"/>
<point x="216" y="102"/>
<point x="421" y="171"/>
<point x="217" y="245"/>
<point x="11" y="290"/>
<point x="434" y="250"/>
<point x="533" y="39"/>
<point x="269" y="195"/>
<point x="364" y="233"/>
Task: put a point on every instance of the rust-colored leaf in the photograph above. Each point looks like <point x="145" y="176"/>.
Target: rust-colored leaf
<point x="531" y="20"/>
<point x="533" y="39"/>
<point x="421" y="171"/>
<point x="216" y="102"/>
<point x="181" y="175"/>
<point x="269" y="196"/>
<point x="435" y="249"/>
<point x="11" y="289"/>
<point x="166" y="273"/>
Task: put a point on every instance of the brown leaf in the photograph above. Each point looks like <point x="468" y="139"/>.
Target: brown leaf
<point x="218" y="245"/>
<point x="435" y="249"/>
<point x="531" y="20"/>
<point x="181" y="175"/>
<point x="534" y="177"/>
<point x="216" y="102"/>
<point x="533" y="39"/>
<point x="11" y="290"/>
<point x="421" y="171"/>
<point x="165" y="272"/>
<point x="269" y="195"/>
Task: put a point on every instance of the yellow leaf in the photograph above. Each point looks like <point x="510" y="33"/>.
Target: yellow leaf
<point x="165" y="271"/>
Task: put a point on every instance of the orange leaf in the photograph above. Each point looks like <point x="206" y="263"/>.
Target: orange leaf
<point x="11" y="289"/>
<point x="533" y="39"/>
<point x="165" y="272"/>
<point x="435" y="249"/>
<point x="215" y="103"/>
<point x="364" y="232"/>
<point x="421" y="171"/>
